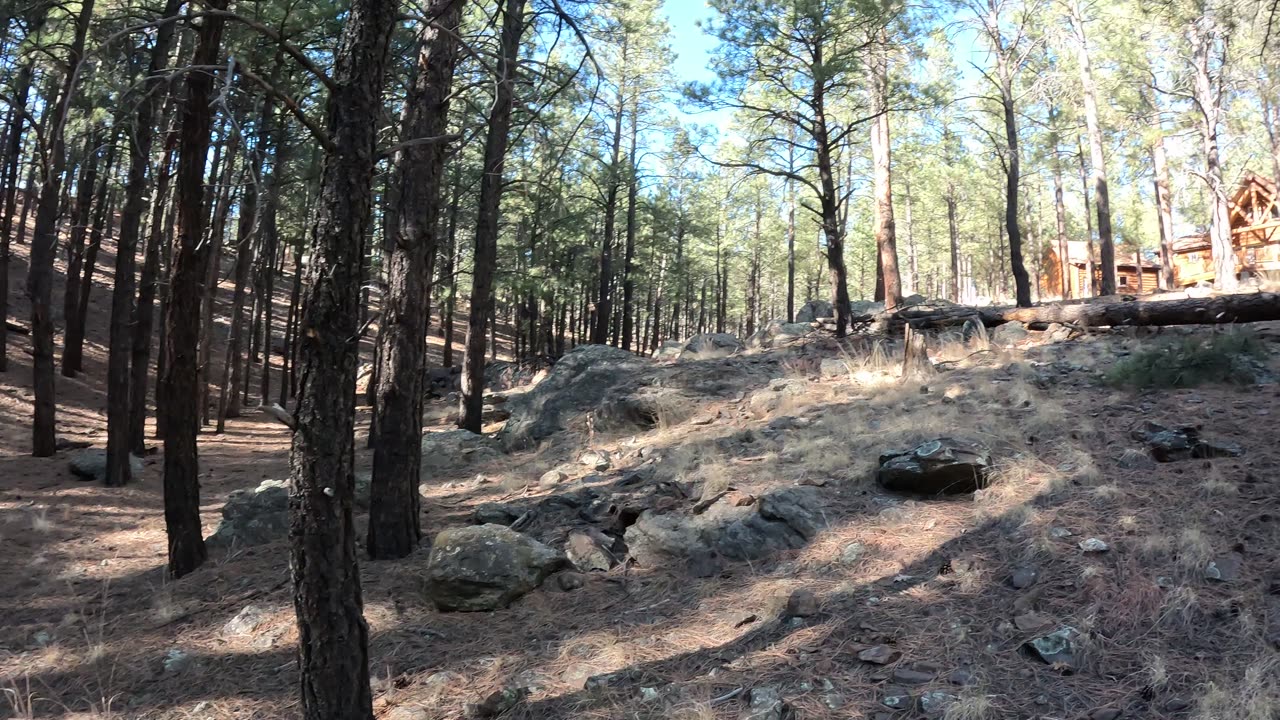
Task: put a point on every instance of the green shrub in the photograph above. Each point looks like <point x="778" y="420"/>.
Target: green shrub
<point x="1231" y="358"/>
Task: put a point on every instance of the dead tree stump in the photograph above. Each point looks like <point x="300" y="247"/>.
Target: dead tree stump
<point x="915" y="355"/>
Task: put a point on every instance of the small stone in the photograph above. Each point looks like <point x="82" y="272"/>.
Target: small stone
<point x="766" y="704"/>
<point x="852" y="553"/>
<point x="42" y="638"/>
<point x="879" y="655"/>
<point x="1059" y="533"/>
<point x="496" y="514"/>
<point x="497" y="703"/>
<point x="552" y="478"/>
<point x="912" y="676"/>
<point x="569" y="581"/>
<point x="705" y="419"/>
<point x="1106" y="713"/>
<point x="704" y="564"/>
<point x="648" y="694"/>
<point x="896" y="698"/>
<point x="962" y="678"/>
<point x="932" y="703"/>
<point x="597" y="460"/>
<point x="590" y="551"/>
<point x="802" y="603"/>
<point x="1055" y="648"/>
<point x="1024" y="578"/>
<point x="176" y="660"/>
<point x="1094" y="545"/>
<point x="1176" y="704"/>
<point x="245" y="621"/>
<point x="1164" y="582"/>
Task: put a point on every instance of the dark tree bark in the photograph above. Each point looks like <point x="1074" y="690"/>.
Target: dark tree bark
<point x="122" y="346"/>
<point x="81" y="212"/>
<point x="394" y="528"/>
<point x="629" y="250"/>
<point x="246" y="228"/>
<point x="158" y="235"/>
<point x="449" y="274"/>
<point x="604" y="302"/>
<point x="44" y="242"/>
<point x="486" y="235"/>
<point x="333" y="655"/>
<point x="213" y="266"/>
<point x="180" y="392"/>
<point x="888" y="279"/>
<point x="73" y="334"/>
<point x="1101" y="194"/>
<point x="9" y="198"/>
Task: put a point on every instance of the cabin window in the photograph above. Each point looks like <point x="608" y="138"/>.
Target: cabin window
<point x="1124" y="281"/>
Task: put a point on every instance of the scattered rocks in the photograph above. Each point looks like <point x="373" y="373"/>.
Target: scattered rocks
<point x="710" y="346"/>
<point x="766" y="703"/>
<point x="802" y="603"/>
<point x="1094" y="545"/>
<point x="597" y="460"/>
<point x="879" y="655"/>
<point x="590" y="550"/>
<point x="497" y="703"/>
<point x="253" y="517"/>
<point x="1056" y="648"/>
<point x="486" y="567"/>
<point x="1174" y="444"/>
<point x="91" y="464"/>
<point x="942" y="466"/>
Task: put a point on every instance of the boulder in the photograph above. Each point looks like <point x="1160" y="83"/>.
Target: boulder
<point x="454" y="448"/>
<point x="710" y="346"/>
<point x="865" y="307"/>
<point x="779" y="521"/>
<point x="814" y="309"/>
<point x="669" y="350"/>
<point x="1010" y="333"/>
<point x="91" y="464"/>
<point x="598" y="460"/>
<point x="486" y="567"/>
<point x="592" y="379"/>
<point x="441" y="381"/>
<point x="1173" y="444"/>
<point x="777" y="333"/>
<point x="492" y="513"/>
<point x="590" y="550"/>
<point x="253" y="516"/>
<point x="942" y="466"/>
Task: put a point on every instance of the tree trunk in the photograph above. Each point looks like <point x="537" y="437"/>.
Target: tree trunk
<point x="1091" y="286"/>
<point x="886" y="233"/>
<point x="86" y="185"/>
<point x="187" y="275"/>
<point x="1065" y="267"/>
<point x="394" y="528"/>
<point x="486" y="235"/>
<point x="1102" y="200"/>
<point x="333" y="657"/>
<point x="1222" y="309"/>
<point x="73" y="334"/>
<point x="1208" y="102"/>
<point x="44" y="242"/>
<point x="246" y="230"/>
<point x="9" y="198"/>
<point x="217" y="233"/>
<point x="629" y="252"/>
<point x="953" y="235"/>
<point x="1022" y="283"/>
<point x="158" y="235"/>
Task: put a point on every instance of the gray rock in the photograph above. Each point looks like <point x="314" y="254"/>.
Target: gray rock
<point x="1056" y="648"/>
<point x="710" y="346"/>
<point x="1010" y="333"/>
<point x="496" y="514"/>
<point x="456" y="448"/>
<point x="1173" y="444"/>
<point x="497" y="703"/>
<point x="879" y="655"/>
<point x="1094" y="545"/>
<point x="597" y="460"/>
<point x="245" y="621"/>
<point x="669" y="350"/>
<point x="852" y="553"/>
<point x="1057" y="332"/>
<point x="590" y="550"/>
<point x="833" y="367"/>
<point x="865" y="307"/>
<point x="1224" y="569"/>
<point x="176" y="660"/>
<point x="814" y="309"/>
<point x="776" y="334"/>
<point x="802" y="603"/>
<point x="1024" y="577"/>
<point x="253" y="517"/>
<point x="941" y="466"/>
<point x="912" y="676"/>
<point x="766" y="703"/>
<point x="552" y="478"/>
<point x="91" y="464"/>
<point x="570" y="581"/>
<point x="486" y="567"/>
<point x="897" y="698"/>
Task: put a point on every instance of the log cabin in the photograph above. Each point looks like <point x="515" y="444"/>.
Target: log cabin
<point x="1255" y="235"/>
<point x="1135" y="274"/>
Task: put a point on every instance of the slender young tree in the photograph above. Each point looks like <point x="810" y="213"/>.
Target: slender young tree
<point x="1097" y="159"/>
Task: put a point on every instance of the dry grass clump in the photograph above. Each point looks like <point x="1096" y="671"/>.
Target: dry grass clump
<point x="1217" y="484"/>
<point x="1256" y="696"/>
<point x="970" y="706"/>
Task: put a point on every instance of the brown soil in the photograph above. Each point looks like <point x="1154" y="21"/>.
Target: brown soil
<point x="89" y="615"/>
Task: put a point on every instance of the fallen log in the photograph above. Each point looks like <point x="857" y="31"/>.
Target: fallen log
<point x="1223" y="309"/>
<point x="17" y="327"/>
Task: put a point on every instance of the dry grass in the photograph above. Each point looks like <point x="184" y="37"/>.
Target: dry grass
<point x="1256" y="696"/>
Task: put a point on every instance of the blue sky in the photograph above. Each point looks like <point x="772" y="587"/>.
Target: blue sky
<point x="693" y="49"/>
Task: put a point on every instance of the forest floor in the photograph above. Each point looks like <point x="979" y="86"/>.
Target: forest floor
<point x="93" y="628"/>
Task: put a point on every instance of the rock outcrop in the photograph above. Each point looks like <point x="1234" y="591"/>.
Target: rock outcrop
<point x="486" y="567"/>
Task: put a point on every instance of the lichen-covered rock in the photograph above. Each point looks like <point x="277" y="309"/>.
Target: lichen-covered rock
<point x="91" y="464"/>
<point x="710" y="346"/>
<point x="814" y="309"/>
<point x="486" y="567"/>
<point x="253" y="516"/>
<point x="945" y="466"/>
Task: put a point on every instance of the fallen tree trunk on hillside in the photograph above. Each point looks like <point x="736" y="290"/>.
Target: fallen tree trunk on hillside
<point x="1224" y="309"/>
<point x="17" y="327"/>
